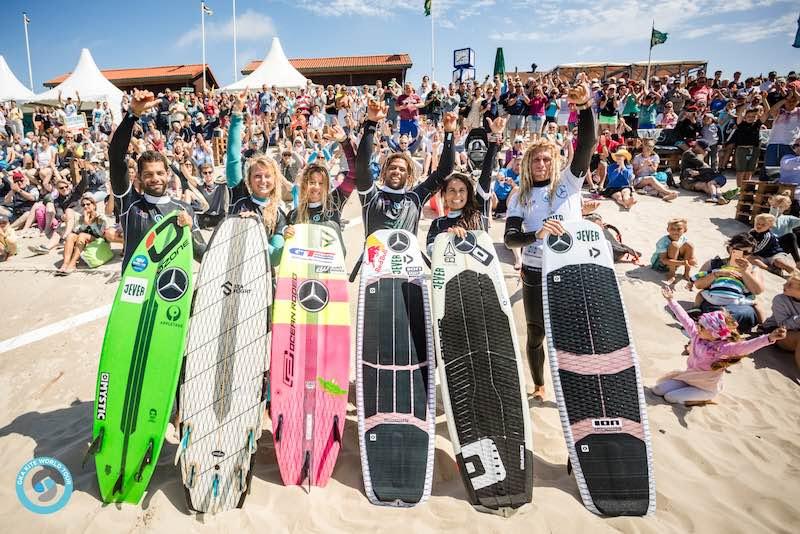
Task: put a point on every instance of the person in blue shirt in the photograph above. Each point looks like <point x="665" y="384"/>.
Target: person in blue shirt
<point x="507" y="181"/>
<point x="619" y="179"/>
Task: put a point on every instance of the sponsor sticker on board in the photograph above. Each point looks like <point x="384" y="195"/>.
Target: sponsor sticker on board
<point x="133" y="290"/>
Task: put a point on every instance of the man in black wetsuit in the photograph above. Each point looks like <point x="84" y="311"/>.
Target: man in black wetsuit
<point x="140" y="211"/>
<point x="389" y="204"/>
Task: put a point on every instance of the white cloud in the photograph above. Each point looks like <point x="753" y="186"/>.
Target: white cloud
<point x="746" y="32"/>
<point x="250" y="26"/>
<point x="369" y="8"/>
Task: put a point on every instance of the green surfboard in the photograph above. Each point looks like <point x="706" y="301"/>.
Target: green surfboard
<point x="141" y="360"/>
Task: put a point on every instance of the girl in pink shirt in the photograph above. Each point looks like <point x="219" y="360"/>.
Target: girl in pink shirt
<point x="714" y="346"/>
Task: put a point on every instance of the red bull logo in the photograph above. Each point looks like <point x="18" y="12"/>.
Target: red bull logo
<point x="376" y="252"/>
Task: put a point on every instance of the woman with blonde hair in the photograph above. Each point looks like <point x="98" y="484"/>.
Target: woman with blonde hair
<point x="547" y="195"/>
<point x="259" y="194"/>
<point x="92" y="226"/>
<point x="317" y="204"/>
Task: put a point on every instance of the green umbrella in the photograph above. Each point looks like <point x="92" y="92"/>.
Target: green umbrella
<point x="500" y="64"/>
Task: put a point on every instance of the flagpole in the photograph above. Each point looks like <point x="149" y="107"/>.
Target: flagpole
<point x="433" y="49"/>
<point x="650" y="55"/>
<point x="235" y="66"/>
<point x="25" y="22"/>
<point x="203" y="32"/>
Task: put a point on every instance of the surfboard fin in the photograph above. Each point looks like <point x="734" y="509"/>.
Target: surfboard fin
<point x="190" y="480"/>
<point x="240" y="473"/>
<point x="569" y="466"/>
<point x="148" y="458"/>
<point x="279" y="428"/>
<point x="356" y="268"/>
<point x="305" y="473"/>
<point x="183" y="444"/>
<point x="251" y="441"/>
<point x="118" y="483"/>
<point x="215" y="486"/>
<point x="337" y="437"/>
<point x="94" y="447"/>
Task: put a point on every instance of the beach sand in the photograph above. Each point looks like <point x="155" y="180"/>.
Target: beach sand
<point x="728" y="467"/>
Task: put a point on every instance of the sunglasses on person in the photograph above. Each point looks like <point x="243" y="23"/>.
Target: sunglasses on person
<point x="63" y="187"/>
<point x="208" y="172"/>
<point x="795" y="145"/>
<point x="84" y="204"/>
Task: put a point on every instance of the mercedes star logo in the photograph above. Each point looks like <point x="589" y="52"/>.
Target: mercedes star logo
<point x="465" y="245"/>
<point x="559" y="243"/>
<point x="313" y="295"/>
<point x="172" y="284"/>
<point x="399" y="242"/>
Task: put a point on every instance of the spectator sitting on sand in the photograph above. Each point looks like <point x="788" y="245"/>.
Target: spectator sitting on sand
<point x="786" y="313"/>
<point x="674" y="250"/>
<point x="768" y="253"/>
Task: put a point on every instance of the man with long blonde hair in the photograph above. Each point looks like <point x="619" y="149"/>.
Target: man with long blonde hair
<point x="547" y="195"/>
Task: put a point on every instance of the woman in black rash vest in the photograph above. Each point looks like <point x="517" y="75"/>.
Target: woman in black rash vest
<point x="546" y="196"/>
<point x="317" y="204"/>
<point x="390" y="204"/>
<point x="469" y="211"/>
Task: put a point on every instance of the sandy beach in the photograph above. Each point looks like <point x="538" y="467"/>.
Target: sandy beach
<point x="729" y="467"/>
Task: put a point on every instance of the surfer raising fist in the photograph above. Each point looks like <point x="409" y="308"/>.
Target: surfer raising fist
<point x="546" y="196"/>
<point x="139" y="211"/>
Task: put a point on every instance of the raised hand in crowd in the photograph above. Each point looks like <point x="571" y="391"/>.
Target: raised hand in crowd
<point x="142" y="101"/>
<point x="450" y="121"/>
<point x="376" y="111"/>
<point x="240" y="101"/>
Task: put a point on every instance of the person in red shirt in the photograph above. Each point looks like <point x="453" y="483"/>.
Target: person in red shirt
<point x="303" y="102"/>
<point x="700" y="91"/>
<point x="606" y="145"/>
<point x="408" y="105"/>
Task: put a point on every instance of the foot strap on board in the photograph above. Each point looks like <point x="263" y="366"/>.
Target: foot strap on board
<point x="147" y="460"/>
<point x="94" y="447"/>
<point x="337" y="437"/>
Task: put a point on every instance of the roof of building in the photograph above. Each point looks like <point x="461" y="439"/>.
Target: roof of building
<point x="343" y="63"/>
<point x="166" y="72"/>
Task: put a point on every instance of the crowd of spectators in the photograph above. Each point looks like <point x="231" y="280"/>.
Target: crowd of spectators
<point x="655" y="137"/>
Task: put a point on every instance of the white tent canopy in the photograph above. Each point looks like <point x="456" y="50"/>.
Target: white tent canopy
<point x="88" y="82"/>
<point x="10" y="87"/>
<point x="274" y="70"/>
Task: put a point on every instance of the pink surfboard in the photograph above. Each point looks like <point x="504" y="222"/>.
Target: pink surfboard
<point x="310" y="358"/>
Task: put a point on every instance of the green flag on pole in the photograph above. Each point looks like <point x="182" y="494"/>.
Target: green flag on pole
<point x="428" y="8"/>
<point x="500" y="64"/>
<point x="657" y="38"/>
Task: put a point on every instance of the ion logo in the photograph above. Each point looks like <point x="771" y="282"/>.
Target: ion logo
<point x="102" y="393"/>
<point x="133" y="290"/>
<point x="607" y="425"/>
<point x="44" y="485"/>
<point x="172" y="284"/>
<point x="139" y="263"/>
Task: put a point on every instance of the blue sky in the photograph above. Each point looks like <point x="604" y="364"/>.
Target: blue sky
<point x="749" y="35"/>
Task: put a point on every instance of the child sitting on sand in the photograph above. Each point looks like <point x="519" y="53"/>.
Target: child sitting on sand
<point x="786" y="226"/>
<point x="714" y="345"/>
<point x="768" y="252"/>
<point x="674" y="250"/>
<point x="619" y="180"/>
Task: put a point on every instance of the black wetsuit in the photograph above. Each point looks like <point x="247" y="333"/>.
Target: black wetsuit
<point x="482" y="194"/>
<point x="385" y="208"/>
<point x="139" y="212"/>
<point x="515" y="237"/>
